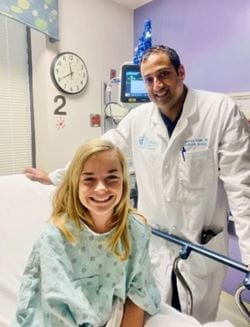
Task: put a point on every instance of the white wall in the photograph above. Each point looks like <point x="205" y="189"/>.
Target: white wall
<point x="101" y="32"/>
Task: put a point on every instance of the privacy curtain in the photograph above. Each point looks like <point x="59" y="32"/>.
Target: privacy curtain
<point x="41" y="15"/>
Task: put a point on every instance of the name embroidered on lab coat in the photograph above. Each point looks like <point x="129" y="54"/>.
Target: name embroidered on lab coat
<point x="199" y="142"/>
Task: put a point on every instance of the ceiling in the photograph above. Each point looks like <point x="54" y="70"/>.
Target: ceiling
<point x="133" y="4"/>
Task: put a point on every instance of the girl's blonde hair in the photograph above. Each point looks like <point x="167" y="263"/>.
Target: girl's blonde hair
<point x="67" y="205"/>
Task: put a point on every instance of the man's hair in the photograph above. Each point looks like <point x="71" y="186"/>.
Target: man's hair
<point x="171" y="53"/>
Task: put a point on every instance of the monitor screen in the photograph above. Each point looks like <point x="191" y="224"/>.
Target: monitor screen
<point x="132" y="85"/>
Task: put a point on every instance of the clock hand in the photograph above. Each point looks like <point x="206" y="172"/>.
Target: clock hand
<point x="69" y="74"/>
<point x="70" y="67"/>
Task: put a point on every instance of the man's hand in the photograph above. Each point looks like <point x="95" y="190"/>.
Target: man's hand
<point x="37" y="175"/>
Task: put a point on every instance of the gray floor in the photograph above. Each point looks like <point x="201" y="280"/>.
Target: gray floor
<point x="228" y="310"/>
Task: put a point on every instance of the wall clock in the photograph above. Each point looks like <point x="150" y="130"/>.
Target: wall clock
<point x="69" y="73"/>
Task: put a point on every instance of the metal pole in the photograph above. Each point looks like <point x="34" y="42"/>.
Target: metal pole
<point x="202" y="250"/>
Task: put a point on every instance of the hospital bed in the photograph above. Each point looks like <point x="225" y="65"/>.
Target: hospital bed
<point x="24" y="208"/>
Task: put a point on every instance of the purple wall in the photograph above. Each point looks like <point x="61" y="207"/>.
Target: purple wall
<point x="234" y="277"/>
<point x="212" y="38"/>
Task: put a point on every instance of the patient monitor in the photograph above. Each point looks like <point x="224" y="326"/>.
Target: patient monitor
<point x="131" y="93"/>
<point x="132" y="88"/>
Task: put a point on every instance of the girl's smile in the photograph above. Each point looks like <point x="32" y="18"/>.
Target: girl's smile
<point x="101" y="186"/>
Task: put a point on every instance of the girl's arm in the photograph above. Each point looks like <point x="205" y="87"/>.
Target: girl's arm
<point x="133" y="316"/>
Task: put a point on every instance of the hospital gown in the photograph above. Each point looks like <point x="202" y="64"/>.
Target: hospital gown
<point x="77" y="284"/>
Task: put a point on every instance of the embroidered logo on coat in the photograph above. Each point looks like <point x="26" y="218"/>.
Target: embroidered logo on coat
<point x="146" y="143"/>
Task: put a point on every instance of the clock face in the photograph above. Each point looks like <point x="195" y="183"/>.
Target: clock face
<point x="69" y="73"/>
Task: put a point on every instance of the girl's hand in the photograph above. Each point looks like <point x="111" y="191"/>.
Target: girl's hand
<point x="133" y="316"/>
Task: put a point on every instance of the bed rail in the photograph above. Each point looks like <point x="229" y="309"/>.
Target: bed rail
<point x="187" y="247"/>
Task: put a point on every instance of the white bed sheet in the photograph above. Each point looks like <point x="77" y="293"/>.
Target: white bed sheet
<point x="24" y="208"/>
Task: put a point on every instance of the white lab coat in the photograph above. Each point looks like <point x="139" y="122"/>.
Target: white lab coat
<point x="184" y="183"/>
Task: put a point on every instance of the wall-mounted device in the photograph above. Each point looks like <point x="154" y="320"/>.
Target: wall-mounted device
<point x="132" y="88"/>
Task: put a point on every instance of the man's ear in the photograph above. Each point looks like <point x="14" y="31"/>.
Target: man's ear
<point x="181" y="72"/>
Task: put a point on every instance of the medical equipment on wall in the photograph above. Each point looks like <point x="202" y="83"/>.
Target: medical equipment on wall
<point x="131" y="93"/>
<point x="132" y="88"/>
<point x="186" y="248"/>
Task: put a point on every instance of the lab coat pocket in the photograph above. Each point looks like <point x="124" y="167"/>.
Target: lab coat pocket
<point x="201" y="265"/>
<point x="196" y="169"/>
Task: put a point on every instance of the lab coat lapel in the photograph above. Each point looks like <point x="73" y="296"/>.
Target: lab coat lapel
<point x="189" y="113"/>
<point x="158" y="125"/>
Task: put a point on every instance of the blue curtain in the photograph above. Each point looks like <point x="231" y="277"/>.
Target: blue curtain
<point x="41" y="15"/>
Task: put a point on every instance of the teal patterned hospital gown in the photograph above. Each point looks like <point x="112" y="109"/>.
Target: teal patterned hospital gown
<point x="76" y="284"/>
